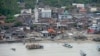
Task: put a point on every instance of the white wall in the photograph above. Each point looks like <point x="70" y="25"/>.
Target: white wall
<point x="26" y="10"/>
<point x="93" y="9"/>
<point x="46" y="13"/>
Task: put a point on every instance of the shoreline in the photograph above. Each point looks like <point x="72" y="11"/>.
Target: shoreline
<point x="10" y="41"/>
<point x="52" y="41"/>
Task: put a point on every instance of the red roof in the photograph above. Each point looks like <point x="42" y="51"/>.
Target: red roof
<point x="83" y="10"/>
<point x="51" y="30"/>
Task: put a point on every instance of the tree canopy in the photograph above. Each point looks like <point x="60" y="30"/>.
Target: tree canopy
<point x="8" y="7"/>
<point x="11" y="6"/>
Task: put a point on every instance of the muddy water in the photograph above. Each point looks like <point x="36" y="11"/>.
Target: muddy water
<point x="50" y="49"/>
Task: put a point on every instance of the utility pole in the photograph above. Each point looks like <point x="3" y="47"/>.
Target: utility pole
<point x="36" y="13"/>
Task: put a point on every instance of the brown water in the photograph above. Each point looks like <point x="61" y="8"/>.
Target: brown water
<point x="50" y="49"/>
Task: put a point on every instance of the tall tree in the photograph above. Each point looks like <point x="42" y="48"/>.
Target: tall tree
<point x="8" y="7"/>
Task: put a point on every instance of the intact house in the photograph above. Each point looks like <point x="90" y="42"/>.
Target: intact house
<point x="25" y="17"/>
<point x="1" y="36"/>
<point x="16" y="33"/>
<point x="28" y="11"/>
<point x="95" y="27"/>
<point x="2" y="19"/>
<point x="46" y="13"/>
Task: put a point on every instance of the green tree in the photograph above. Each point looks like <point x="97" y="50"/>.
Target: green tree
<point x="10" y="19"/>
<point x="30" y="3"/>
<point x="8" y="7"/>
<point x="18" y="24"/>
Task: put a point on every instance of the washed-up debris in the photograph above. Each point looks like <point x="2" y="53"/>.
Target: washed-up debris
<point x="13" y="49"/>
<point x="82" y="53"/>
<point x="33" y="46"/>
<point x="96" y="39"/>
<point x="81" y="37"/>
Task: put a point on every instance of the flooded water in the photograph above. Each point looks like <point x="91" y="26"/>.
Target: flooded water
<point x="50" y="49"/>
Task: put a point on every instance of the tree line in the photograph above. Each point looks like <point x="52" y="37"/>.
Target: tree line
<point x="11" y="6"/>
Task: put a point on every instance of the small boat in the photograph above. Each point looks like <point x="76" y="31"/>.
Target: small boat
<point x="67" y="45"/>
<point x="33" y="46"/>
<point x="98" y="48"/>
<point x="13" y="49"/>
<point x="83" y="53"/>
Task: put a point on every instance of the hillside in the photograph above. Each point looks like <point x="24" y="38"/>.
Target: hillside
<point x="11" y="6"/>
<point x="8" y="7"/>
